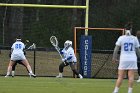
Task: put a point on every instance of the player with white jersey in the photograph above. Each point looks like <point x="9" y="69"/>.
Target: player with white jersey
<point x="69" y="58"/>
<point x="18" y="54"/>
<point x="17" y="51"/>
<point x="128" y="59"/>
<point x="69" y="55"/>
<point x="19" y="61"/>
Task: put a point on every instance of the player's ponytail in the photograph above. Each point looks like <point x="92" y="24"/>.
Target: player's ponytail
<point x="128" y="28"/>
<point x="127" y="32"/>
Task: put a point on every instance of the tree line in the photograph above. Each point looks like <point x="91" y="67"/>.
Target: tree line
<point x="38" y="24"/>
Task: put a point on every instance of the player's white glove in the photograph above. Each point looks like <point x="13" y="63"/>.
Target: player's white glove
<point x="63" y="60"/>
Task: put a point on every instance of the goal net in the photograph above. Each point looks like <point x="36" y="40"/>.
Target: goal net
<point x="103" y="43"/>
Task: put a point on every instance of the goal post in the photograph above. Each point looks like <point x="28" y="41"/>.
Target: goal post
<point x="87" y="47"/>
<point x="42" y="6"/>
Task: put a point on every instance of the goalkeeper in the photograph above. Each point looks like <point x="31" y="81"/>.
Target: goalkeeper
<point x="69" y="58"/>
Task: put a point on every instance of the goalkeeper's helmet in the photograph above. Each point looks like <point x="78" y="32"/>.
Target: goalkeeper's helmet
<point x="67" y="44"/>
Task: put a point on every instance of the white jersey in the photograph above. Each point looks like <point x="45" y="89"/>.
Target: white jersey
<point x="17" y="53"/>
<point x="128" y="58"/>
<point x="69" y="55"/>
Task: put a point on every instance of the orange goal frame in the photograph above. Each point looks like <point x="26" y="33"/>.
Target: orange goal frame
<point x="76" y="29"/>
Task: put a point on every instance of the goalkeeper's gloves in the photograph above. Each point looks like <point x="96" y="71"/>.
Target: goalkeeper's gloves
<point x="61" y="52"/>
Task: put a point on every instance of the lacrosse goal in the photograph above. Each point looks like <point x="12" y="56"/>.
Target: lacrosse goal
<point x="103" y="42"/>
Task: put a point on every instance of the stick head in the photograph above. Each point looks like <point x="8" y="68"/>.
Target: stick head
<point x="54" y="41"/>
<point x="27" y="41"/>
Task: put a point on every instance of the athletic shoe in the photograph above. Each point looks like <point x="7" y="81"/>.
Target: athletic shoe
<point x="13" y="73"/>
<point x="138" y="80"/>
<point x="59" y="76"/>
<point x="12" y="76"/>
<point x="7" y="76"/>
<point x="80" y="76"/>
<point x="33" y="75"/>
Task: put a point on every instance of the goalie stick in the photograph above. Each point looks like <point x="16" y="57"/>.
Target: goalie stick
<point x="54" y="42"/>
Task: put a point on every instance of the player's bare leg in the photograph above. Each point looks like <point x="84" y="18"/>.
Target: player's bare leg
<point x="26" y="63"/>
<point x="13" y="69"/>
<point x="11" y="63"/>
<point x="130" y="80"/>
<point x="121" y="74"/>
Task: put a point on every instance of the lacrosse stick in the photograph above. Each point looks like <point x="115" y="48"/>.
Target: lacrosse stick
<point x="33" y="46"/>
<point x="54" y="42"/>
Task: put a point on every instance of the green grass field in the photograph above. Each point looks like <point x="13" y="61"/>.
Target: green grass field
<point x="60" y="85"/>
